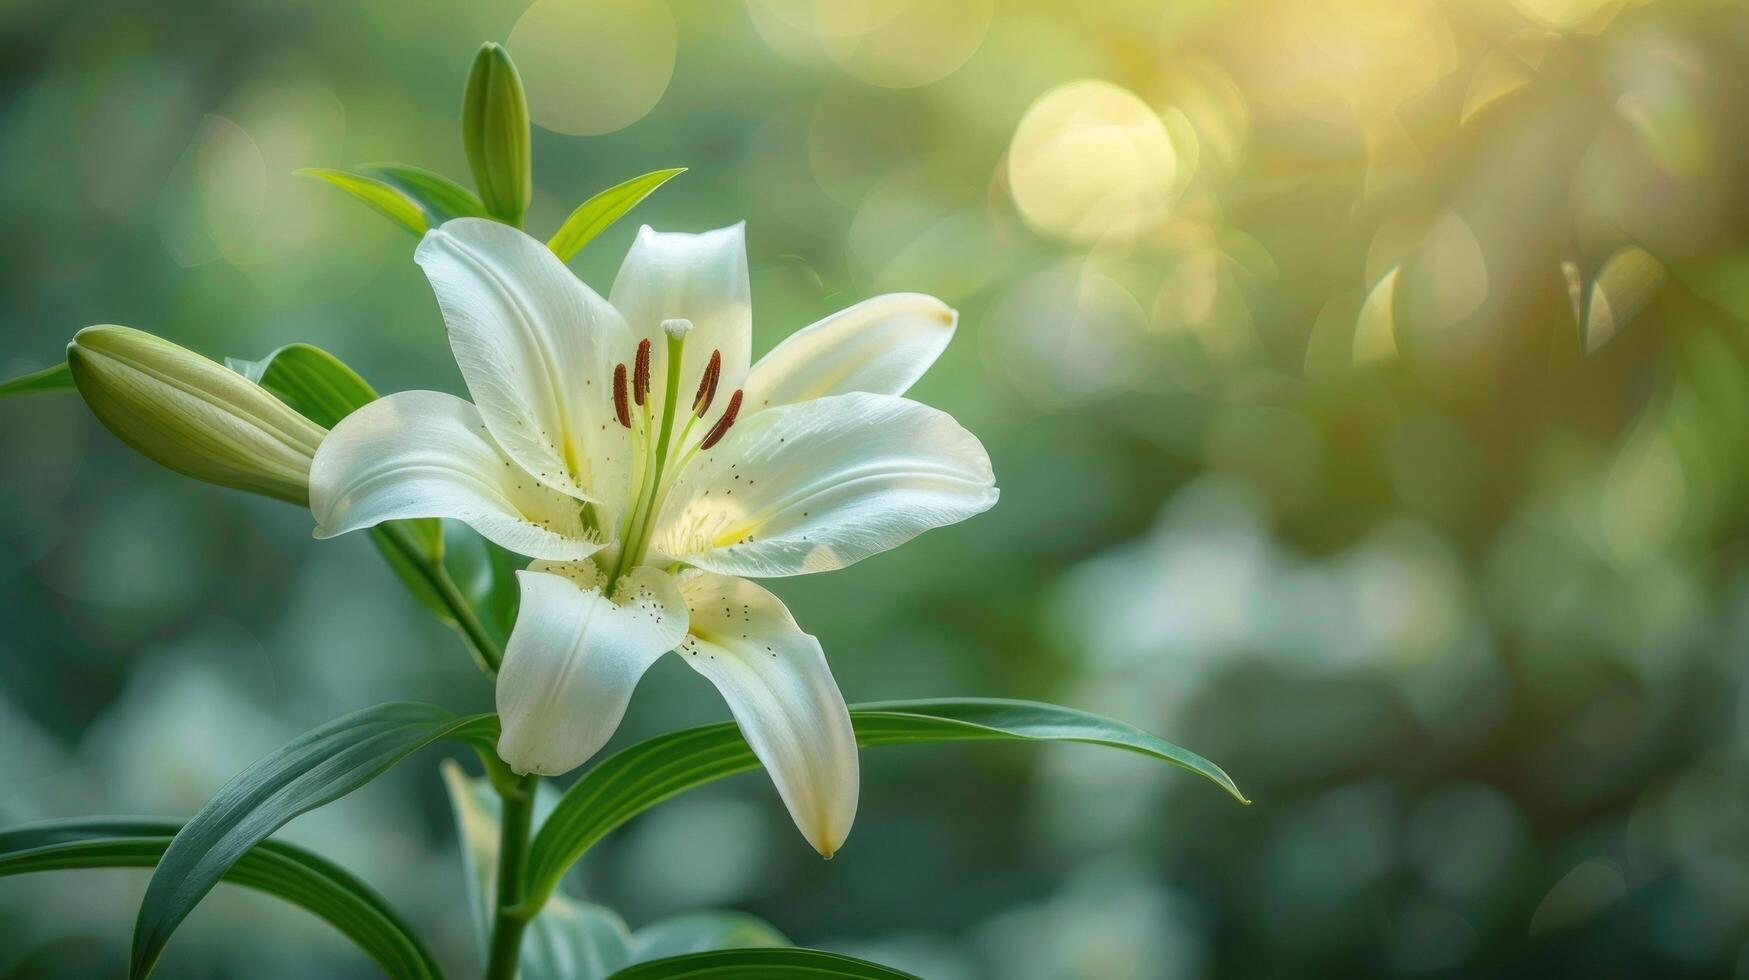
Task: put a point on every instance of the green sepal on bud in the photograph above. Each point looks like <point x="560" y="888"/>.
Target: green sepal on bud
<point x="192" y="414"/>
<point x="495" y="134"/>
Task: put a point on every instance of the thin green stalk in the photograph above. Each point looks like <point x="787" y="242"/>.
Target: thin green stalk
<point x="638" y="532"/>
<point x="480" y="643"/>
<point x="508" y="922"/>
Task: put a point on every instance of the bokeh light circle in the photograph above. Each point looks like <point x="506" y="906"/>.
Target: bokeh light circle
<point x="593" y="66"/>
<point x="1090" y="161"/>
<point x="886" y="43"/>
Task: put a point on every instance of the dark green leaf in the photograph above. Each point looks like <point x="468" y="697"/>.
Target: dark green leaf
<point x="572" y="939"/>
<point x="406" y="547"/>
<point x="316" y="383"/>
<point x="315" y="769"/>
<point x="637" y="778"/>
<point x="783" y="963"/>
<point x="324" y="390"/>
<point x="593" y="216"/>
<point x="55" y="377"/>
<point x="384" y="197"/>
<point x="282" y="870"/>
<point x="417" y="551"/>
<point x="441" y="197"/>
<point x="486" y="575"/>
<point x="700" y="932"/>
<point x="569" y="939"/>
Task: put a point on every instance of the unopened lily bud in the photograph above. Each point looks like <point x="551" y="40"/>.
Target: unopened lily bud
<point x="495" y="134"/>
<point x="193" y="414"/>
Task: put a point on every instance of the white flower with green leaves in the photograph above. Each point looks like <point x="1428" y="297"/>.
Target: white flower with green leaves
<point x="629" y="446"/>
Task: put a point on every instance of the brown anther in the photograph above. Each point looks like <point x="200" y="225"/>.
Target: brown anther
<point x="715" y="435"/>
<point x="620" y="408"/>
<point x="641" y="372"/>
<point x="707" y="385"/>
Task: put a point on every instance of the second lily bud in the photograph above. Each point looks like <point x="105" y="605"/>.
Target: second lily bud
<point x="192" y="414"/>
<point x="495" y="134"/>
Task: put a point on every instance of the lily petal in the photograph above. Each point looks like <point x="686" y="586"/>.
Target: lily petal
<point x="784" y="699"/>
<point x="881" y="345"/>
<point x="536" y="348"/>
<point x="574" y="657"/>
<point x="701" y="278"/>
<point x="818" y="485"/>
<point x="427" y="454"/>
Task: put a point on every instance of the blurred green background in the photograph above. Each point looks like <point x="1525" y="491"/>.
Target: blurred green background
<point x="1365" y="380"/>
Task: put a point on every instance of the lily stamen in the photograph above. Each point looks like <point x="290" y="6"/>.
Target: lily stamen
<point x="641" y="372"/>
<point x="620" y="406"/>
<point x="707" y="384"/>
<point x="721" y="429"/>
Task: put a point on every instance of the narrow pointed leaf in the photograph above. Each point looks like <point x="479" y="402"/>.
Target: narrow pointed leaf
<point x="597" y="214"/>
<point x="412" y="549"/>
<point x="486" y="575"/>
<point x="55" y="377"/>
<point x="315" y="769"/>
<point x="316" y="383"/>
<point x="700" y="932"/>
<point x="784" y="963"/>
<point x="441" y="197"/>
<point x="387" y="199"/>
<point x="325" y="390"/>
<point x="637" y="778"/>
<point x="572" y="939"/>
<point x="282" y="870"/>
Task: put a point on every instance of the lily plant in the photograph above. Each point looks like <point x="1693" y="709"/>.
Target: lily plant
<point x="622" y="471"/>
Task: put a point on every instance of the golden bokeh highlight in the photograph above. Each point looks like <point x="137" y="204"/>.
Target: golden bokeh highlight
<point x="884" y="43"/>
<point x="1349" y="60"/>
<point x="594" y="67"/>
<point x="1090" y="161"/>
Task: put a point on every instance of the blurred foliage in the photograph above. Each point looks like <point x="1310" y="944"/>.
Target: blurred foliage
<point x="1366" y="381"/>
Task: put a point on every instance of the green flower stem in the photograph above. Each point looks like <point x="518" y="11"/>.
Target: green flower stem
<point x="650" y="495"/>
<point x="480" y="643"/>
<point x="508" y="921"/>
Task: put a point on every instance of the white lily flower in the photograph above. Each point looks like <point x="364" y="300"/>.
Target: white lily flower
<point x="627" y="446"/>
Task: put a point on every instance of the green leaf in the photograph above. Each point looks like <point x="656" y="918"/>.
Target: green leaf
<point x="636" y="778"/>
<point x="572" y="939"/>
<point x="412" y="549"/>
<point x="316" y="383"/>
<point x="55" y="377"/>
<point x="786" y="963"/>
<point x="315" y="769"/>
<point x="418" y="552"/>
<point x="486" y="576"/>
<point x="381" y="195"/>
<point x="569" y="939"/>
<point x="593" y="216"/>
<point x="441" y="197"/>
<point x="324" y="390"/>
<point x="282" y="870"/>
<point x="700" y="932"/>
